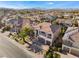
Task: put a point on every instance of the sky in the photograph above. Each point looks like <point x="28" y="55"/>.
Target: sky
<point x="39" y="4"/>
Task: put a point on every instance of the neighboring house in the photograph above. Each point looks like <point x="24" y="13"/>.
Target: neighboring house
<point x="48" y="18"/>
<point x="68" y="16"/>
<point x="76" y="17"/>
<point x="66" y="22"/>
<point x="47" y="32"/>
<point x="71" y="41"/>
<point x="14" y="23"/>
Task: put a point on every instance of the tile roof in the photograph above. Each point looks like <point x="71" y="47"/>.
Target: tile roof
<point x="75" y="37"/>
<point x="47" y="27"/>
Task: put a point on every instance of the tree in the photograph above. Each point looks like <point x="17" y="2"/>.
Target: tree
<point x="51" y="53"/>
<point x="25" y="33"/>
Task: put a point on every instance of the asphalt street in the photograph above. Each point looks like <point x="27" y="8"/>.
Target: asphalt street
<point x="9" y="50"/>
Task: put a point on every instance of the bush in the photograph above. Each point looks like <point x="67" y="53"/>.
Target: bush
<point x="2" y="31"/>
<point x="9" y="35"/>
<point x="55" y="48"/>
<point x="55" y="55"/>
<point x="52" y="55"/>
<point x="21" y="42"/>
<point x="59" y="49"/>
<point x="49" y="55"/>
<point x="7" y="28"/>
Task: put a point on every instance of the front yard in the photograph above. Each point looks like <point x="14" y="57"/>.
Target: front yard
<point x="23" y="36"/>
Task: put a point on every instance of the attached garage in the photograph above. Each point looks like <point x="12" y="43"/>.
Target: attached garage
<point x="75" y="51"/>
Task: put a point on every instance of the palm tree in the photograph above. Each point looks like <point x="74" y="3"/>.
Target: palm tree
<point x="25" y="33"/>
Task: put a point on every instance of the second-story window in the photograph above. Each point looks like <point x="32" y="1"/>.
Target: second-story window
<point x="36" y="32"/>
<point x="42" y="33"/>
<point x="49" y="36"/>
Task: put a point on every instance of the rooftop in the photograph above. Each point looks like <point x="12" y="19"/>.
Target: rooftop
<point x="75" y="37"/>
<point x="47" y="27"/>
<point x="44" y="27"/>
<point x="70" y="31"/>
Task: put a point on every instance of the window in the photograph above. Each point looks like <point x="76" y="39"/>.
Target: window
<point x="49" y="36"/>
<point x="36" y="32"/>
<point x="48" y="42"/>
<point x="68" y="43"/>
<point x="42" y="33"/>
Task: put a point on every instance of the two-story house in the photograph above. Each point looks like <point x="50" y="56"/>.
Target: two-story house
<point x="47" y="32"/>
